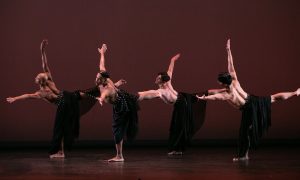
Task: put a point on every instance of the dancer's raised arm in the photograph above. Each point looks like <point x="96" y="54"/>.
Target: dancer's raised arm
<point x="45" y="65"/>
<point x="102" y="58"/>
<point x="231" y="69"/>
<point x="172" y="63"/>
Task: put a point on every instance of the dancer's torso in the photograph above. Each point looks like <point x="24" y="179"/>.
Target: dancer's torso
<point x="49" y="92"/>
<point x="111" y="91"/>
<point x="237" y="97"/>
<point x="168" y="94"/>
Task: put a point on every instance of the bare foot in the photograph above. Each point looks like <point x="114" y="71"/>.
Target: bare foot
<point x="59" y="155"/>
<point x="236" y="159"/>
<point x="174" y="153"/>
<point x="298" y="92"/>
<point x="116" y="159"/>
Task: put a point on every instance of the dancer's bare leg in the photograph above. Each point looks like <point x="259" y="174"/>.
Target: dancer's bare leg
<point x="119" y="156"/>
<point x="284" y="95"/>
<point x="60" y="154"/>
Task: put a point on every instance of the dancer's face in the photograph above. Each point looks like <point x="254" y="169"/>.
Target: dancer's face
<point x="99" y="79"/>
<point x="158" y="80"/>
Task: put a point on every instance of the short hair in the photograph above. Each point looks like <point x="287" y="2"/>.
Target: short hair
<point x="42" y="78"/>
<point x="104" y="74"/>
<point x="225" y="78"/>
<point x="164" y="76"/>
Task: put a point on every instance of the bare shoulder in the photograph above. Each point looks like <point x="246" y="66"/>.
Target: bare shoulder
<point x="50" y="81"/>
<point x="236" y="83"/>
<point x="169" y="84"/>
<point x="161" y="90"/>
<point x="238" y="87"/>
<point x="226" y="95"/>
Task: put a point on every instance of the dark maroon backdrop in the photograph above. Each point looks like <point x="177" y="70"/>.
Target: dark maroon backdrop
<point x="141" y="37"/>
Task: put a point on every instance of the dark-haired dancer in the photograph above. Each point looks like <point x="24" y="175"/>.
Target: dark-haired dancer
<point x="125" y="107"/>
<point x="188" y="113"/>
<point x="256" y="111"/>
<point x="69" y="109"/>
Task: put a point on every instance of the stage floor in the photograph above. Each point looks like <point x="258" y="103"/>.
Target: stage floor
<point x="152" y="163"/>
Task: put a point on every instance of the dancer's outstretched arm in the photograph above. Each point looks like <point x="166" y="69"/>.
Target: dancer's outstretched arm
<point x="284" y="95"/>
<point x="218" y="96"/>
<point x="102" y="58"/>
<point x="151" y="94"/>
<point x="120" y="83"/>
<point x="231" y="69"/>
<point x="215" y="91"/>
<point x="35" y="95"/>
<point x="171" y="66"/>
<point x="102" y="61"/>
<point x="45" y="65"/>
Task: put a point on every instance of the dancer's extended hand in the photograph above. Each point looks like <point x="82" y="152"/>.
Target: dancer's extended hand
<point x="176" y="57"/>
<point x="103" y="49"/>
<point x="44" y="44"/>
<point x="201" y="97"/>
<point x="10" y="99"/>
<point x="228" y="44"/>
<point x="100" y="100"/>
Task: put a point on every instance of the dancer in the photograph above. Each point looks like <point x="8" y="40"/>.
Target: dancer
<point x="256" y="111"/>
<point x="125" y="107"/>
<point x="69" y="110"/>
<point x="188" y="113"/>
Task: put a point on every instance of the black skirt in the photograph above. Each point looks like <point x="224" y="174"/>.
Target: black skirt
<point x="70" y="107"/>
<point x="187" y="118"/>
<point x="256" y="119"/>
<point x="125" y="116"/>
<point x="66" y="124"/>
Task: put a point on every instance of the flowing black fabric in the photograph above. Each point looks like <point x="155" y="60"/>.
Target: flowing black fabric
<point x="256" y="119"/>
<point x="125" y="116"/>
<point x="66" y="124"/>
<point x="187" y="118"/>
<point x="70" y="106"/>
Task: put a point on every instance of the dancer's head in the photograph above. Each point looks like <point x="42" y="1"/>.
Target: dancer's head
<point x="41" y="79"/>
<point x="162" y="77"/>
<point x="225" y="79"/>
<point x="101" y="77"/>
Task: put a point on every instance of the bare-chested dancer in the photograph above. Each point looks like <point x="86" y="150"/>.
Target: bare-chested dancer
<point x="125" y="107"/>
<point x="66" y="126"/>
<point x="188" y="113"/>
<point x="256" y="111"/>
